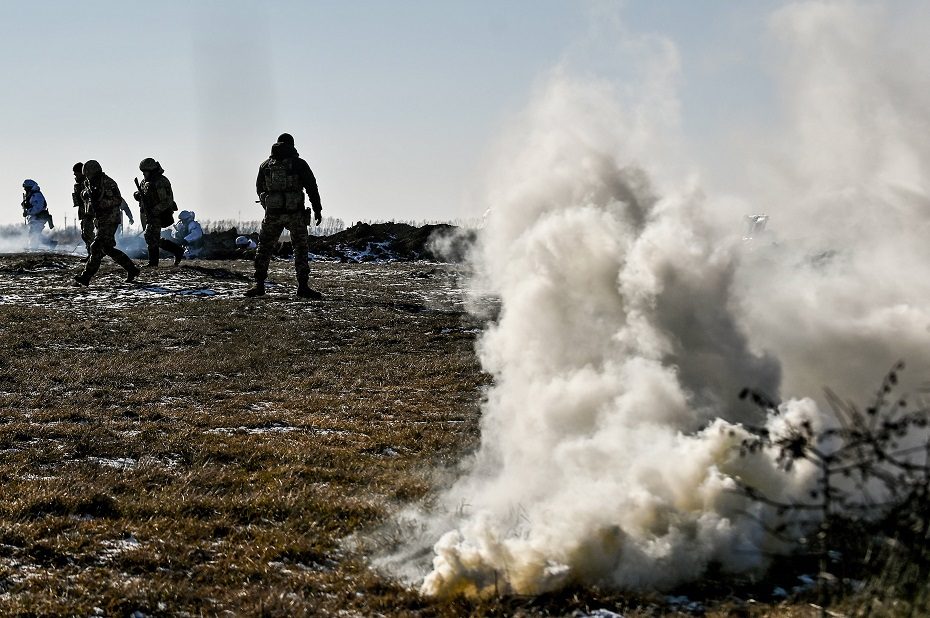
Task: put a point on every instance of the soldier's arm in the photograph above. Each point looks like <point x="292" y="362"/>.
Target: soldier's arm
<point x="308" y="180"/>
<point x="260" y="181"/>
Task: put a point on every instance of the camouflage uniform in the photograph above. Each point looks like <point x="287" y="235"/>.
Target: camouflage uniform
<point x="87" y="223"/>
<point x="102" y="202"/>
<point x="158" y="205"/>
<point x="281" y="181"/>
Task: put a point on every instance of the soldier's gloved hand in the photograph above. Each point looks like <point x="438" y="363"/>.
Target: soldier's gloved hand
<point x="318" y="217"/>
<point x="137" y="196"/>
<point x="132" y="221"/>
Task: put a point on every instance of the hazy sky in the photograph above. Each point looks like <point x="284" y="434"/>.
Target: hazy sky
<point x="394" y="103"/>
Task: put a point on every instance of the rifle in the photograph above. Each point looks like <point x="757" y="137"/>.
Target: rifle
<point x="93" y="200"/>
<point x="142" y="215"/>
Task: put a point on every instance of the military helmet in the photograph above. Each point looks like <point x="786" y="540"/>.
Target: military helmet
<point x="92" y="168"/>
<point x="186" y="216"/>
<point x="30" y="185"/>
<point x="78" y="168"/>
<point x="148" y="165"/>
<point x="286" y="138"/>
<point x="242" y="241"/>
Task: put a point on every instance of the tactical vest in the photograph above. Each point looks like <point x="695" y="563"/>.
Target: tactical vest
<point x="102" y="198"/>
<point x="284" y="192"/>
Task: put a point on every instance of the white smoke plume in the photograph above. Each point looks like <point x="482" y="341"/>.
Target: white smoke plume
<point x="632" y="314"/>
<point x="844" y="292"/>
<point x="16" y="239"/>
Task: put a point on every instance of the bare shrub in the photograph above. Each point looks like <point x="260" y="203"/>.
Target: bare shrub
<point x="867" y="516"/>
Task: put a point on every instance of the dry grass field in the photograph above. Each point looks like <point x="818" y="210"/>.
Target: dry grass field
<point x="170" y="448"/>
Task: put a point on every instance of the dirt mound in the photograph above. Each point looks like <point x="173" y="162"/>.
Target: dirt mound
<point x="37" y="263"/>
<point x="366" y="242"/>
<point x="363" y="242"/>
<point x="220" y="245"/>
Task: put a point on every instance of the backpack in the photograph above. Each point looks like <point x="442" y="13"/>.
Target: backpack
<point x="282" y="185"/>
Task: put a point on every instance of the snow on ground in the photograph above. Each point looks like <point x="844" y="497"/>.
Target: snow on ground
<point x="46" y="280"/>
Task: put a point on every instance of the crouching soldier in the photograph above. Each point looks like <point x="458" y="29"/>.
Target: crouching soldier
<point x="244" y="243"/>
<point x="102" y="202"/>
<point x="188" y="234"/>
<point x="245" y="247"/>
<point x="87" y="222"/>
<point x="156" y="203"/>
<point x="282" y="179"/>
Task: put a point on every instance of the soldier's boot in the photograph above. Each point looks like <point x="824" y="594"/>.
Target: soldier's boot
<point x="153" y="258"/>
<point x="178" y="254"/>
<point x="256" y="290"/>
<point x="132" y="271"/>
<point x="305" y="291"/>
<point x="82" y="280"/>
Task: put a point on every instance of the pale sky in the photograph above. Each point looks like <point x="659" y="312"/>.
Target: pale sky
<point x="394" y="103"/>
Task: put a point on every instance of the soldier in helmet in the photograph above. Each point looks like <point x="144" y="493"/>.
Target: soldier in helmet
<point x="87" y="222"/>
<point x="282" y="179"/>
<point x="156" y="203"/>
<point x="102" y="203"/>
<point x="244" y="243"/>
<point x="35" y="211"/>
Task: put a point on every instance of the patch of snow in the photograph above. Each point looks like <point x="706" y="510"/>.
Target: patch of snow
<point x="598" y="613"/>
<point x="253" y="431"/>
<point x="157" y="289"/>
<point x="120" y="463"/>
<point x="684" y="603"/>
<point x="114" y="548"/>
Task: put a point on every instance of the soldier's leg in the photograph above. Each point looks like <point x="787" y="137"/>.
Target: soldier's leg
<point x="95" y="256"/>
<point x="272" y="226"/>
<point x="298" y="228"/>
<point x="172" y="247"/>
<point x="107" y="235"/>
<point x="152" y="235"/>
<point x="87" y="232"/>
<point x="34" y="228"/>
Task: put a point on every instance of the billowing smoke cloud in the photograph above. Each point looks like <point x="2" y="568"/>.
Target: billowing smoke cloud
<point x="843" y="291"/>
<point x="632" y="315"/>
